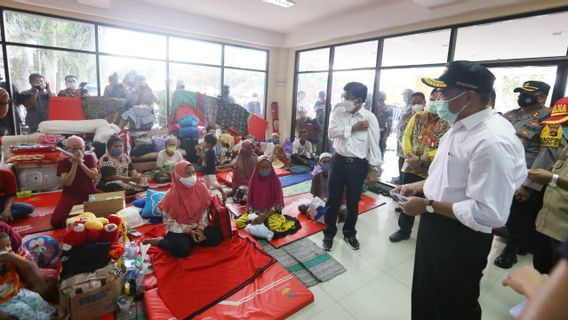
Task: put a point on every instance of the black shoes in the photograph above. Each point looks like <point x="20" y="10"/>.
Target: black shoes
<point x="352" y="242"/>
<point x="506" y="259"/>
<point x="398" y="209"/>
<point x="399" y="236"/>
<point x="327" y="243"/>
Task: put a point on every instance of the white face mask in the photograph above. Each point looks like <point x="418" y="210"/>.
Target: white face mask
<point x="72" y="85"/>
<point x="189" y="181"/>
<point x="417" y="107"/>
<point x="348" y="105"/>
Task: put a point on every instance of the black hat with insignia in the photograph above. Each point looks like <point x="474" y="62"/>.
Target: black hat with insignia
<point x="467" y="75"/>
<point x="533" y="87"/>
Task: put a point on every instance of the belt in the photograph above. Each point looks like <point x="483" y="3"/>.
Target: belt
<point x="349" y="159"/>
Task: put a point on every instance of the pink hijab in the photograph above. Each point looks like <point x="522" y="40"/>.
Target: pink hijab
<point x="245" y="164"/>
<point x="185" y="205"/>
<point x="264" y="192"/>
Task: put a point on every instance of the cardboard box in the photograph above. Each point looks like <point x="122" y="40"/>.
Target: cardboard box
<point x="94" y="303"/>
<point x="104" y="204"/>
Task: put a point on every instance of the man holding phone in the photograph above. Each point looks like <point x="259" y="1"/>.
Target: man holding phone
<point x="36" y="101"/>
<point x="470" y="186"/>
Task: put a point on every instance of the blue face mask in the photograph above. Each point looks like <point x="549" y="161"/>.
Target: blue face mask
<point x="264" y="173"/>
<point x="432" y="107"/>
<point x="116" y="151"/>
<point x="565" y="131"/>
<point x="442" y="108"/>
<point x="324" y="167"/>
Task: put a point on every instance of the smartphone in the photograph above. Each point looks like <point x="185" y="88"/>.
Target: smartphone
<point x="398" y="197"/>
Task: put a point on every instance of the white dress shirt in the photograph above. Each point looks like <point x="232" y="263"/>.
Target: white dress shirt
<point x="479" y="164"/>
<point x="360" y="144"/>
<point x="302" y="150"/>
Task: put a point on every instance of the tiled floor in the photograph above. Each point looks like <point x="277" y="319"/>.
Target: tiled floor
<point x="379" y="276"/>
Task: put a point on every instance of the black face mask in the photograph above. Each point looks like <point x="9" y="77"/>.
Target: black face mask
<point x="527" y="100"/>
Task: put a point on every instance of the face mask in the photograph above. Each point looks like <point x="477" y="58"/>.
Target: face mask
<point x="171" y="149"/>
<point x="264" y="173"/>
<point x="565" y="131"/>
<point x="189" y="181"/>
<point x="432" y="107"/>
<point x="527" y="100"/>
<point x="324" y="167"/>
<point x="442" y="108"/>
<point x="71" y="85"/>
<point x="348" y="105"/>
<point x="116" y="151"/>
<point x="417" y="107"/>
<point x="276" y="141"/>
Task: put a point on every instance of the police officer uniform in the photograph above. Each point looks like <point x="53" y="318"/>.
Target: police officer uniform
<point x="540" y="143"/>
<point x="385" y="117"/>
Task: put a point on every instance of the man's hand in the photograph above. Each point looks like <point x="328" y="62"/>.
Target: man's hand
<point x="360" y="126"/>
<point x="414" y="206"/>
<point x="525" y="280"/>
<point x="523" y="194"/>
<point x="408" y="190"/>
<point x="540" y="176"/>
<point x="372" y="178"/>
<point x="412" y="160"/>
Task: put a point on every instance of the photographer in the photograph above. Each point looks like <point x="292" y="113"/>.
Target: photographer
<point x="36" y="101"/>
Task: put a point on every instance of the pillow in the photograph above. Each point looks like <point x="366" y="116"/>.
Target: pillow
<point x="151" y="210"/>
<point x="139" y="203"/>
<point x="131" y="216"/>
<point x="44" y="250"/>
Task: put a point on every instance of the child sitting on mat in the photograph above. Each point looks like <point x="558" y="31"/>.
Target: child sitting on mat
<point x="186" y="216"/>
<point x="117" y="170"/>
<point x="78" y="174"/>
<point x="166" y="160"/>
<point x="265" y="199"/>
<point x="17" y="301"/>
<point x="10" y="209"/>
<point x="209" y="164"/>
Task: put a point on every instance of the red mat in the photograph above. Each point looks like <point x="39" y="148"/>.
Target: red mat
<point x="275" y="294"/>
<point x="208" y="276"/>
<point x="226" y="178"/>
<point x="39" y="220"/>
<point x="309" y="227"/>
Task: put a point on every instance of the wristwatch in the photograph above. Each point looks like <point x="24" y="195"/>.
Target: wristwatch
<point x="554" y="181"/>
<point x="429" y="207"/>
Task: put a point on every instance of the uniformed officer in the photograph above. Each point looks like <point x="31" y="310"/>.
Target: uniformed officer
<point x="385" y="117"/>
<point x="540" y="145"/>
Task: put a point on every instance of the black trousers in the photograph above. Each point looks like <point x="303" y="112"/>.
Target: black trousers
<point x="383" y="144"/>
<point x="545" y="252"/>
<point x="180" y="244"/>
<point x="299" y="159"/>
<point x="521" y="222"/>
<point x="448" y="265"/>
<point x="405" y="222"/>
<point x="345" y="174"/>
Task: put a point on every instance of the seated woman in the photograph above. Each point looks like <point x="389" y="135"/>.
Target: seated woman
<point x="10" y="209"/>
<point x="244" y="165"/>
<point x="117" y="170"/>
<point x="166" y="160"/>
<point x="265" y="199"/>
<point x="185" y="209"/>
<point x="78" y="174"/>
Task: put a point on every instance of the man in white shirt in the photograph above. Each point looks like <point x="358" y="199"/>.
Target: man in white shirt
<point x="470" y="186"/>
<point x="355" y="134"/>
<point x="302" y="151"/>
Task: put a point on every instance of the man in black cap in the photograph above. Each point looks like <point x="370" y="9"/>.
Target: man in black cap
<point x="540" y="149"/>
<point x="479" y="165"/>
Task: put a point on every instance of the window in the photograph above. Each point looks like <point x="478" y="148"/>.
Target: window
<point x="507" y="79"/>
<point x="206" y="80"/>
<point x="358" y="55"/>
<point x="311" y="106"/>
<point x="341" y="78"/>
<point x="46" y="31"/>
<point x="395" y="81"/>
<point x="421" y="48"/>
<point x="185" y="50"/>
<point x="247" y="88"/>
<point x="314" y="60"/>
<point x="132" y="43"/>
<point x="245" y="58"/>
<point x="538" y="36"/>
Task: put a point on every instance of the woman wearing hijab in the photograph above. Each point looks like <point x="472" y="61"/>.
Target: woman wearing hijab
<point x="78" y="174"/>
<point x="244" y="165"/>
<point x="185" y="210"/>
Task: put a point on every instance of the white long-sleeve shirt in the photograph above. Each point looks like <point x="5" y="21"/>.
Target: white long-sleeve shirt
<point x="359" y="144"/>
<point x="479" y="164"/>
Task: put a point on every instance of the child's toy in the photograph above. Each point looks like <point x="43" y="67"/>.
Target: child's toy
<point x="44" y="250"/>
<point x="75" y="236"/>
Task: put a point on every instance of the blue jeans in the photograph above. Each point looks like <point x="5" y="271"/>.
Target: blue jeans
<point x="345" y="174"/>
<point x="21" y="210"/>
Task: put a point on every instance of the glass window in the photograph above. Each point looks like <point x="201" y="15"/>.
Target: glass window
<point x="245" y="58"/>
<point x="132" y="43"/>
<point x="507" y="79"/>
<point x="247" y="89"/>
<point x="314" y="60"/>
<point x="341" y="78"/>
<point x="538" y="36"/>
<point x="54" y="65"/>
<point x="206" y="80"/>
<point x="358" y="55"/>
<point x="421" y="48"/>
<point x="311" y="106"/>
<point x="48" y="31"/>
<point x="186" y="50"/>
<point x="153" y="71"/>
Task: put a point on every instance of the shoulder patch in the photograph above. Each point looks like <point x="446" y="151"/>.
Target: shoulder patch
<point x="551" y="136"/>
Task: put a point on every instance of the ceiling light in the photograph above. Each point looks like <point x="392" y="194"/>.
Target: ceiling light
<point x="280" y="3"/>
<point x="559" y="33"/>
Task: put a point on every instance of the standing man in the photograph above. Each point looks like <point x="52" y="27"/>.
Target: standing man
<point x="385" y="117"/>
<point x="355" y="134"/>
<point x="479" y="165"/>
<point x="36" y="101"/>
<point x="540" y="150"/>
